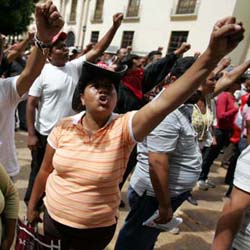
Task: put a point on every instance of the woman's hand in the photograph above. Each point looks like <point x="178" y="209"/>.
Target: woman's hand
<point x="33" y="216"/>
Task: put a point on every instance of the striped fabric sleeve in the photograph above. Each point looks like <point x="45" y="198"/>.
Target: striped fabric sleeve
<point x="53" y="138"/>
<point x="130" y="128"/>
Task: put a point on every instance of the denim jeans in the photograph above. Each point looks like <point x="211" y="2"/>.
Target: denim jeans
<point x="242" y="144"/>
<point x="135" y="236"/>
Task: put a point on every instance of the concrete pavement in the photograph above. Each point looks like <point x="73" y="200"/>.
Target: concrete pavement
<point x="197" y="230"/>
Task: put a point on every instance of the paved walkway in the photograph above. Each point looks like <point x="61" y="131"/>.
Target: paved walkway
<point x="199" y="222"/>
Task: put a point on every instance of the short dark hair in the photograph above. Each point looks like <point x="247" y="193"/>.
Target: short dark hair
<point x="128" y="60"/>
<point x="181" y="66"/>
<point x="152" y="53"/>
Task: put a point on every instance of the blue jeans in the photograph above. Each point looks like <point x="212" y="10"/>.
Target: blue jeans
<point x="135" y="236"/>
<point x="242" y="144"/>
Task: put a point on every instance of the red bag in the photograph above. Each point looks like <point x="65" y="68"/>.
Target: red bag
<point x="28" y="239"/>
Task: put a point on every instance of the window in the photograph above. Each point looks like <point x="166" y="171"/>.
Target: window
<point x="94" y="36"/>
<point x="98" y="10"/>
<point x="176" y="39"/>
<point x="70" y="40"/>
<point x="133" y="8"/>
<point x="72" y="17"/>
<point x="127" y="39"/>
<point x="186" y="7"/>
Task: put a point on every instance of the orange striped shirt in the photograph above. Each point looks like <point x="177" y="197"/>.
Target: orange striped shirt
<point x="83" y="189"/>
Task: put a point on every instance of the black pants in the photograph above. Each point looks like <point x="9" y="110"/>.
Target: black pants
<point x="37" y="158"/>
<point x="78" y="239"/>
<point x="130" y="166"/>
<point x="22" y="115"/>
<point x="222" y="138"/>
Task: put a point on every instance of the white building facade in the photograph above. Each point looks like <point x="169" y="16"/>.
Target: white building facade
<point x="150" y="24"/>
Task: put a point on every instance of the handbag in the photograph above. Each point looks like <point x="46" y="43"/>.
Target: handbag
<point x="29" y="239"/>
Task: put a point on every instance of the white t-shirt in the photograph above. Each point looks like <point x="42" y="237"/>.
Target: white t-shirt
<point x="242" y="181"/>
<point x="9" y="99"/>
<point x="55" y="87"/>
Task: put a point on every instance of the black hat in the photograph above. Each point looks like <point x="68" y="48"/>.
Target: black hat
<point x="91" y="73"/>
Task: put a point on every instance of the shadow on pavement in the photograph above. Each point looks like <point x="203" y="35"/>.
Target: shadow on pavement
<point x="187" y="242"/>
<point x="199" y="220"/>
<point x="213" y="194"/>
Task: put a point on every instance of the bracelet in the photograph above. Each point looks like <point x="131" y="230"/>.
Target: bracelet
<point x="41" y="45"/>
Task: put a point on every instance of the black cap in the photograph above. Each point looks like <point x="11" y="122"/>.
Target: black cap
<point x="91" y="73"/>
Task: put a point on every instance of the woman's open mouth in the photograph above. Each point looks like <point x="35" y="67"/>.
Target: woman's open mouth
<point x="103" y="100"/>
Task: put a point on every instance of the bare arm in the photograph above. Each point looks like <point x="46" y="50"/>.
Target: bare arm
<point x="32" y="104"/>
<point x="229" y="78"/>
<point x="32" y="69"/>
<point x="103" y="44"/>
<point x="49" y="22"/>
<point x="12" y="54"/>
<point x="147" y="118"/>
<point x="230" y="220"/>
<point x="40" y="183"/>
<point x="159" y="169"/>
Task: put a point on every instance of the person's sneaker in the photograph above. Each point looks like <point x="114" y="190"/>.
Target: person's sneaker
<point x="175" y="230"/>
<point x="202" y="185"/>
<point x="192" y="200"/>
<point x="210" y="184"/>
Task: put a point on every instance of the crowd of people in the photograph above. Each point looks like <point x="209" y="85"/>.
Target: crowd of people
<point x="93" y="119"/>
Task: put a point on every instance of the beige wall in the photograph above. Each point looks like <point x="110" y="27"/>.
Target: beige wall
<point x="154" y="27"/>
<point x="155" y="24"/>
<point x="199" y="29"/>
<point x="242" y="52"/>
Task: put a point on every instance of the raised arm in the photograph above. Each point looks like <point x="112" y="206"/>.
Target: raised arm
<point x="229" y="78"/>
<point x="103" y="44"/>
<point x="12" y="54"/>
<point x="182" y="49"/>
<point x="156" y="72"/>
<point x="147" y="118"/>
<point x="49" y="22"/>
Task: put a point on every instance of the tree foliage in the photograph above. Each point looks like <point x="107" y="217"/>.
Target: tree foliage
<point x="15" y="16"/>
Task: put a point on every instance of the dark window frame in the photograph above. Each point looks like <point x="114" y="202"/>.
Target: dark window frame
<point x="98" y="10"/>
<point x="133" y="8"/>
<point x="94" y="36"/>
<point x="127" y="38"/>
<point x="186" y="7"/>
<point x="176" y="39"/>
<point x="72" y="17"/>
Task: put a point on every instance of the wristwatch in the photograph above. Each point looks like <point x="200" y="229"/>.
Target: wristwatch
<point x="44" y="47"/>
